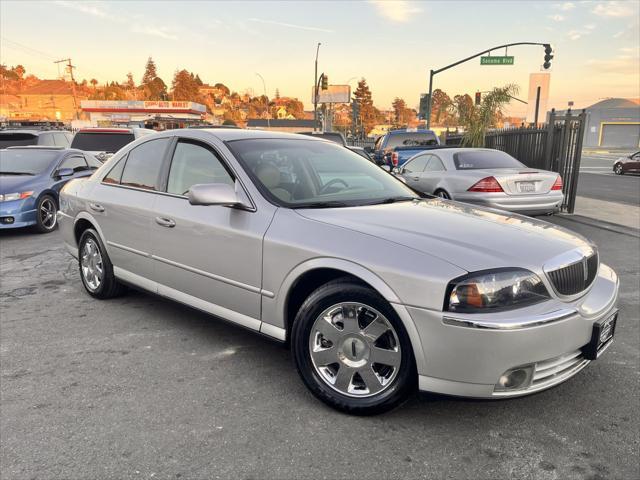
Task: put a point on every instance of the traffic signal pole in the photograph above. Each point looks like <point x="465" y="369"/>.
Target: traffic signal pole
<point x="433" y="73"/>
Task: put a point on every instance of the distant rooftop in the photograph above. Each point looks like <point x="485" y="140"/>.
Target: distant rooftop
<point x="616" y="103"/>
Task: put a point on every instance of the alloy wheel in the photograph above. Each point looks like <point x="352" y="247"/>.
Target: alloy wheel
<point x="355" y="350"/>
<point x="48" y="214"/>
<point x="91" y="264"/>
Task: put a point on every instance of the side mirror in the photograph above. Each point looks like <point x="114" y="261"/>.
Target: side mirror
<point x="65" y="172"/>
<point x="213" y="194"/>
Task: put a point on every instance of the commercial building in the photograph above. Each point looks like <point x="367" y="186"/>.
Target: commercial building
<point x="159" y="115"/>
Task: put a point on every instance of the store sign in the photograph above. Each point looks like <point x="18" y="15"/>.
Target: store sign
<point x="151" y="105"/>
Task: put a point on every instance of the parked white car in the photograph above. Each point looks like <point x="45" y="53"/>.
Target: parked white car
<point x="483" y="176"/>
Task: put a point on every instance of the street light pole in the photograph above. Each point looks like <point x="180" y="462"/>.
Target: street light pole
<point x="315" y="96"/>
<point x="264" y="89"/>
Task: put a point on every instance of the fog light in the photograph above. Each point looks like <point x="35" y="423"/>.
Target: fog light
<point x="514" y="379"/>
<point x="7" y="220"/>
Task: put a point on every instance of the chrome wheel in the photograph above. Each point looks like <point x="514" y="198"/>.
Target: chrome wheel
<point x="618" y="169"/>
<point x="355" y="349"/>
<point x="91" y="264"/>
<point x="47" y="213"/>
<point x="443" y="194"/>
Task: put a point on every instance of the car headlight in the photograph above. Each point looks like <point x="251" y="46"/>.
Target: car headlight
<point x="491" y="290"/>
<point x="8" y="197"/>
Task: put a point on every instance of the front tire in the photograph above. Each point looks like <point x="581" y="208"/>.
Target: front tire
<point x="618" y="170"/>
<point x="351" y="349"/>
<point x="442" y="194"/>
<point x="96" y="269"/>
<point x="46" y="214"/>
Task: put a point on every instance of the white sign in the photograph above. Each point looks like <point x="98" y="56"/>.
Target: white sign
<point x="538" y="80"/>
<point x="334" y="94"/>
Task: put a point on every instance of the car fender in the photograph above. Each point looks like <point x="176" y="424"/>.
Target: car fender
<point x="363" y="274"/>
<point x="84" y="215"/>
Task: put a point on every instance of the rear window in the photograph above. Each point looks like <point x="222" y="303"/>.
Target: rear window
<point x="101" y="142"/>
<point x="484" y="159"/>
<point x="412" y="139"/>
<point x="17" y="139"/>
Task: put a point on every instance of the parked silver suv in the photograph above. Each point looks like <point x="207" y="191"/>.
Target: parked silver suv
<point x="377" y="291"/>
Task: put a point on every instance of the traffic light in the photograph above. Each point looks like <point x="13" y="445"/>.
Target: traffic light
<point x="325" y="82"/>
<point x="548" y="56"/>
<point x="478" y="98"/>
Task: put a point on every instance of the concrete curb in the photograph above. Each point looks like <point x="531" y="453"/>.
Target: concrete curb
<point x="612" y="227"/>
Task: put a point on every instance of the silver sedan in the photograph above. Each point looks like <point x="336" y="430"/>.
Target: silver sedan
<point x="378" y="292"/>
<point x="485" y="177"/>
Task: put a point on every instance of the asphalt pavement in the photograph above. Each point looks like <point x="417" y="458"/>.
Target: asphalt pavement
<point x="140" y="387"/>
<point x="597" y="180"/>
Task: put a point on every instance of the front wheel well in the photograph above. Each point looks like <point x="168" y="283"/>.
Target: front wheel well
<point x="306" y="284"/>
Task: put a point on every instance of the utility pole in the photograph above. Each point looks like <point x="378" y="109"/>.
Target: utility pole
<point x="315" y="96"/>
<point x="70" y="67"/>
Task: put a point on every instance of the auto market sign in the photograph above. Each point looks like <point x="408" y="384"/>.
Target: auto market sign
<point x="505" y="60"/>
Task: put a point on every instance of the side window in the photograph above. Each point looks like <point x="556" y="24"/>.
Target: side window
<point x="192" y="164"/>
<point x="142" y="169"/>
<point x="378" y="144"/>
<point x="435" y="165"/>
<point x="77" y="163"/>
<point x="92" y="161"/>
<point x="115" y="174"/>
<point x="46" y="139"/>
<point x="417" y="164"/>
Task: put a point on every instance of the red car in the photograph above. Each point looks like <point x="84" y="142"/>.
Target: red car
<point x="627" y="164"/>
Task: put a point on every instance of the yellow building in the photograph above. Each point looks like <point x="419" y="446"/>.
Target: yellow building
<point x="46" y="100"/>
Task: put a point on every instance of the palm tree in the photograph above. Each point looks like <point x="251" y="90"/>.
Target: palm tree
<point x="93" y="82"/>
<point x="485" y="115"/>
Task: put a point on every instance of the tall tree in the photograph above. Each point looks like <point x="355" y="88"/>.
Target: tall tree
<point x="399" y="106"/>
<point x="487" y="114"/>
<point x="184" y="86"/>
<point x="368" y="113"/>
<point x="150" y="72"/>
<point x="441" y="107"/>
<point x="464" y="108"/>
<point x="93" y="83"/>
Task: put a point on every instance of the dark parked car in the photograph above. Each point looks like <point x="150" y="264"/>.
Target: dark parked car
<point x="23" y="137"/>
<point x="627" y="164"/>
<point x="104" y="142"/>
<point x="30" y="180"/>
<point x="398" y="146"/>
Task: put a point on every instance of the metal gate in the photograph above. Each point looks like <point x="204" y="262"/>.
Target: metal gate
<point x="556" y="146"/>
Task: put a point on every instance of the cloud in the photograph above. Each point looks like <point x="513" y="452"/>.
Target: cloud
<point x="290" y="25"/>
<point x="577" y="34"/>
<point x="623" y="64"/>
<point x="152" y="31"/>
<point x="565" y="6"/>
<point x="615" y="9"/>
<point x="556" y="17"/>
<point x="93" y="9"/>
<point x="398" y="11"/>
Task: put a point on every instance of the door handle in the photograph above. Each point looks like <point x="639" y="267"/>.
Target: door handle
<point x="165" y="222"/>
<point x="96" y="207"/>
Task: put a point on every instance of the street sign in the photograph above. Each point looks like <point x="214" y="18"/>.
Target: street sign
<point x="506" y="60"/>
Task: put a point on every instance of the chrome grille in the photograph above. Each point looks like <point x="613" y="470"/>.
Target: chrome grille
<point x="576" y="277"/>
<point x="552" y="371"/>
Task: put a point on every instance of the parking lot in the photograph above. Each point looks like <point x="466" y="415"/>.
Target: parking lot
<point x="141" y="387"/>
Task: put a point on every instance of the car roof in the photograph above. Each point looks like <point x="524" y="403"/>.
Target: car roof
<point x="24" y="130"/>
<point x="231" y="134"/>
<point x="404" y="130"/>
<point x="43" y="147"/>
<point x="106" y="130"/>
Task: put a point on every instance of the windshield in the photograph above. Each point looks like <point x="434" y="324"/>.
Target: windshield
<point x="101" y="142"/>
<point x="485" y="159"/>
<point x="411" y="139"/>
<point x="17" y="139"/>
<point x="26" y="162"/>
<point x="307" y="173"/>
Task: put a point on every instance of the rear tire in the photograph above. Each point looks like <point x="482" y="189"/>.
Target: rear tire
<point x="351" y="349"/>
<point x="442" y="194"/>
<point x="618" y="170"/>
<point x="96" y="269"/>
<point x="46" y="211"/>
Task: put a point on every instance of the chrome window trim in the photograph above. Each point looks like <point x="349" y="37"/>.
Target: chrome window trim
<point x="533" y="321"/>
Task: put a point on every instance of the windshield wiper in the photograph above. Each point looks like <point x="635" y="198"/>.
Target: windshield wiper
<point x="328" y="204"/>
<point x="16" y="173"/>
<point x="393" y="200"/>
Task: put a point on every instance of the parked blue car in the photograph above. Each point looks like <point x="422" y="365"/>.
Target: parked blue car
<point x="398" y="146"/>
<point x="30" y="180"/>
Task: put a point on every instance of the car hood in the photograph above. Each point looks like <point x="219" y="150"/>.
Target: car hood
<point x="468" y="237"/>
<point x="17" y="183"/>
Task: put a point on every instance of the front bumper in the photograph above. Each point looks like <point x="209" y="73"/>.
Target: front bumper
<point x="466" y="354"/>
<point x="543" y="203"/>
<point x="17" y="214"/>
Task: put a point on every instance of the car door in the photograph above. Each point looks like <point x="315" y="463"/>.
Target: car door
<point x="122" y="203"/>
<point x="412" y="171"/>
<point x="432" y="175"/>
<point x="207" y="256"/>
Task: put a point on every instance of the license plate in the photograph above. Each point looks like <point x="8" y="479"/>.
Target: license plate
<point x="526" y="187"/>
<point x="601" y="337"/>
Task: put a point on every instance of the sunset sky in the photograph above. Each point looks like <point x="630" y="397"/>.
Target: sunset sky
<point x="392" y="44"/>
